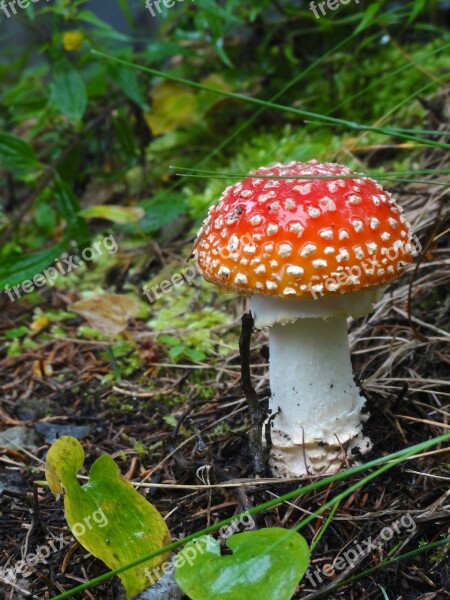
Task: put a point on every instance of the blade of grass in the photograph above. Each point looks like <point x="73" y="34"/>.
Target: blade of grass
<point x="239" y="130"/>
<point x="244" y="126"/>
<point x="380" y="81"/>
<point x="382" y="565"/>
<point x="393" y="176"/>
<point x="402" y="103"/>
<point x="337" y="499"/>
<point x="267" y="104"/>
<point x="324" y="527"/>
<point x="390" y="175"/>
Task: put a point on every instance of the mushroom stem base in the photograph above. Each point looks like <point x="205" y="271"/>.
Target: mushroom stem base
<point x="318" y="422"/>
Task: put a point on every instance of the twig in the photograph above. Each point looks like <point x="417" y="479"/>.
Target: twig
<point x="256" y="413"/>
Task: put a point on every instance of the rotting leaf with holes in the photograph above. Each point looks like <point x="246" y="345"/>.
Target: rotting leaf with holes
<point x="267" y="564"/>
<point x="107" y="515"/>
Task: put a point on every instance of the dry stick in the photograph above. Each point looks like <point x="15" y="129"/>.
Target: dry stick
<point x="256" y="413"/>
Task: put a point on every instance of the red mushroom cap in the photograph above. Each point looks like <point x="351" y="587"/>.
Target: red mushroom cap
<point x="284" y="232"/>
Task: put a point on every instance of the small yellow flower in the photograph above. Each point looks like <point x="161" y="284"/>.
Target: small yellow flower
<point x="72" y="41"/>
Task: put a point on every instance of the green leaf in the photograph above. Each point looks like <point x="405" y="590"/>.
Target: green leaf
<point x="218" y="46"/>
<point x="102" y="28"/>
<point x="17" y="332"/>
<point x="123" y="5"/>
<point x="121" y="215"/>
<point x="16" y="154"/>
<point x="127" y="80"/>
<point x="45" y="216"/>
<point x="176" y="352"/>
<point x="221" y="14"/>
<point x="107" y="515"/>
<point x="169" y="339"/>
<point x="16" y="269"/>
<point x="368" y="16"/>
<point x="417" y="8"/>
<point x="67" y="91"/>
<point x="162" y="212"/>
<point x="69" y="208"/>
<point x="267" y="564"/>
<point x="194" y="355"/>
<point x="158" y="51"/>
<point x="125" y="137"/>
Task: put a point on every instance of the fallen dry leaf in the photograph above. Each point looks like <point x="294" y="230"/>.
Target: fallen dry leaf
<point x="108" y="313"/>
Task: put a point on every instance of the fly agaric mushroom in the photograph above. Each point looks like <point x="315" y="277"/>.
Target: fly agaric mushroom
<point x="312" y="244"/>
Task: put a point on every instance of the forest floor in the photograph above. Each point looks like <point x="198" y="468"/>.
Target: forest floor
<point x="178" y="430"/>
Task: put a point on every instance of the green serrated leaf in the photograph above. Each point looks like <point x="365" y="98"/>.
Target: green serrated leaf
<point x="107" y="515"/>
<point x="267" y="564"/>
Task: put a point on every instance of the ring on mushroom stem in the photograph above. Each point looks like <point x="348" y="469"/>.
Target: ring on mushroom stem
<point x="312" y="244"/>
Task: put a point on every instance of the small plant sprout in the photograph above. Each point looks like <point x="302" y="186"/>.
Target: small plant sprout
<point x="312" y="244"/>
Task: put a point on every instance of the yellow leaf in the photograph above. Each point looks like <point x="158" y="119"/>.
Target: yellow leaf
<point x="39" y="323"/>
<point x="216" y="82"/>
<point x="173" y="106"/>
<point x="107" y="515"/>
<point x="122" y="215"/>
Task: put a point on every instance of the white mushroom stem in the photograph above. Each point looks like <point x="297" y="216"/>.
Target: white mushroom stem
<point x="313" y="388"/>
<point x="319" y="406"/>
